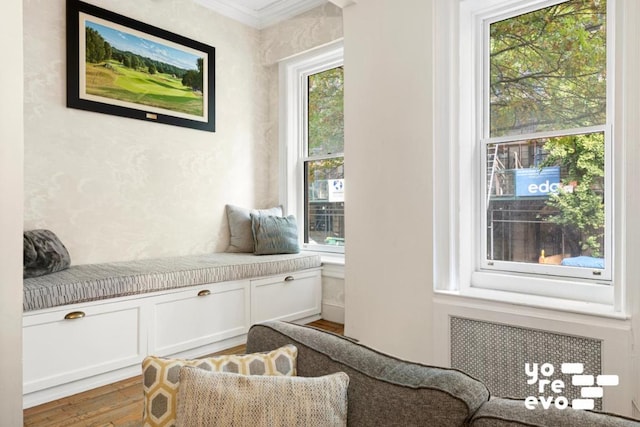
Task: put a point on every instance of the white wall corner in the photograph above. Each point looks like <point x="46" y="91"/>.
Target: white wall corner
<point x="343" y="3"/>
<point x="333" y="312"/>
<point x="11" y="217"/>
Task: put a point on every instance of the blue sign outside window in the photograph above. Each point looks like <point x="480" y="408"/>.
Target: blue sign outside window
<point x="534" y="182"/>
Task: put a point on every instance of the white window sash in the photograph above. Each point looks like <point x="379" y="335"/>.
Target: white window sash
<point x="601" y="276"/>
<point x="483" y="263"/>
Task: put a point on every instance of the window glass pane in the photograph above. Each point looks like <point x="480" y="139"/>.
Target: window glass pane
<point x="546" y="201"/>
<point x="548" y="69"/>
<point x="326" y="113"/>
<point x="325" y="201"/>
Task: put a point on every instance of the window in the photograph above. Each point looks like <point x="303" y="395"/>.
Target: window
<point x="312" y="146"/>
<point x="529" y="151"/>
<point x="544" y="134"/>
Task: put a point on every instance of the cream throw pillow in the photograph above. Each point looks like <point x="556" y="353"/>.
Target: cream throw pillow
<point x="161" y="377"/>
<point x="208" y="399"/>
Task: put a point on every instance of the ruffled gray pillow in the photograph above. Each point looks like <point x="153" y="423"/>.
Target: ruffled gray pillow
<point x="275" y="234"/>
<point x="44" y="253"/>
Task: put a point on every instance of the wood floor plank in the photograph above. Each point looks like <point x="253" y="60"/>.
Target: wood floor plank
<point x="118" y="404"/>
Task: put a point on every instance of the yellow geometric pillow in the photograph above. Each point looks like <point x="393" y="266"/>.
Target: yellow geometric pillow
<point x="161" y="377"/>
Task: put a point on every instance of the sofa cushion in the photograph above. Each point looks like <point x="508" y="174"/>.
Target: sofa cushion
<point x="512" y="413"/>
<point x="161" y="377"/>
<point x="383" y="390"/>
<point x="224" y="399"/>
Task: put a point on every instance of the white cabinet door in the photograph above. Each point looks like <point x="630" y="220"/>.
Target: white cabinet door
<point x="199" y="316"/>
<point x="287" y="297"/>
<point x="92" y="339"/>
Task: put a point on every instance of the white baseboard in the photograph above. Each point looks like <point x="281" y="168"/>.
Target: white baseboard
<point x="47" y="395"/>
<point x="333" y="312"/>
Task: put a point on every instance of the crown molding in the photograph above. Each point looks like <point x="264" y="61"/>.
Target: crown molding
<point x="278" y="10"/>
<point x="343" y="3"/>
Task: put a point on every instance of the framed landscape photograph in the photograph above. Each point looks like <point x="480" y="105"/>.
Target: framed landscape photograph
<point x="117" y="65"/>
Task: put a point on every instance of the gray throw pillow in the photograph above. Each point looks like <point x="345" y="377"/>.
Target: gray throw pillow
<point x="43" y="253"/>
<point x="241" y="237"/>
<point x="275" y="234"/>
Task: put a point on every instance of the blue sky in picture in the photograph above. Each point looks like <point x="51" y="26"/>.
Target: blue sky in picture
<point x="144" y="47"/>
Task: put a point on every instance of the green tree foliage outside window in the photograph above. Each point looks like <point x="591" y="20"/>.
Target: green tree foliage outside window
<point x="548" y="69"/>
<point x="579" y="203"/>
<point x="326" y="112"/>
<point x="326" y="122"/>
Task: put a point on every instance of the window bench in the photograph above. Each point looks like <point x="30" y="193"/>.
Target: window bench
<point x="91" y="325"/>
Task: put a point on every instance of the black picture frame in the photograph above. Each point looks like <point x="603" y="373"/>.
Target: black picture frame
<point x="143" y="78"/>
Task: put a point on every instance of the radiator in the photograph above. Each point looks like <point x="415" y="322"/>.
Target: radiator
<point x="496" y="354"/>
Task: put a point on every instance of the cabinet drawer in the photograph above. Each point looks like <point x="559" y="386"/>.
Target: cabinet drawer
<point x="199" y="316"/>
<point x="94" y="340"/>
<point x="287" y="297"/>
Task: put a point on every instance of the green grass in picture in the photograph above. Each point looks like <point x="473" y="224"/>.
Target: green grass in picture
<point x="112" y="80"/>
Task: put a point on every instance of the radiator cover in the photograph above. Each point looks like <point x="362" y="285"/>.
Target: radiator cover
<point x="496" y="354"/>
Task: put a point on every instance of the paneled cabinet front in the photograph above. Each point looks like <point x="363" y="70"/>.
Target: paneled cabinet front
<point x="199" y="316"/>
<point x="73" y="348"/>
<point x="61" y="346"/>
<point x="287" y="297"/>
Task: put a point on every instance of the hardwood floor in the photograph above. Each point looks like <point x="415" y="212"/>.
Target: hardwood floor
<point x="118" y="404"/>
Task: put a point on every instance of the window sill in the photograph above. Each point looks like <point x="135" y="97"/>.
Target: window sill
<point x="328" y="258"/>
<point x="535" y="301"/>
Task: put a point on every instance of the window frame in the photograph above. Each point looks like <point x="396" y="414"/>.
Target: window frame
<point x="293" y="74"/>
<point x="484" y="22"/>
<point x="457" y="227"/>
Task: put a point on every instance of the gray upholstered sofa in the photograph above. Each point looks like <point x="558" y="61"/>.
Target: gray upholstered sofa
<point x="385" y="391"/>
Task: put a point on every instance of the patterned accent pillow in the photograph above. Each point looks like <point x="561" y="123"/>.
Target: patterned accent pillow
<point x="160" y="377"/>
<point x="275" y="234"/>
<point x="224" y="399"/>
<point x="241" y="238"/>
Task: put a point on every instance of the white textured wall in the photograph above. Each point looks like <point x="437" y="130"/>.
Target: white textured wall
<point x="115" y="188"/>
<point x="11" y="143"/>
<point x="630" y="99"/>
<point x="388" y="126"/>
<point x="314" y="28"/>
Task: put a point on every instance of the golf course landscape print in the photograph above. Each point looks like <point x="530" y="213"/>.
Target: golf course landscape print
<point x="131" y="69"/>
